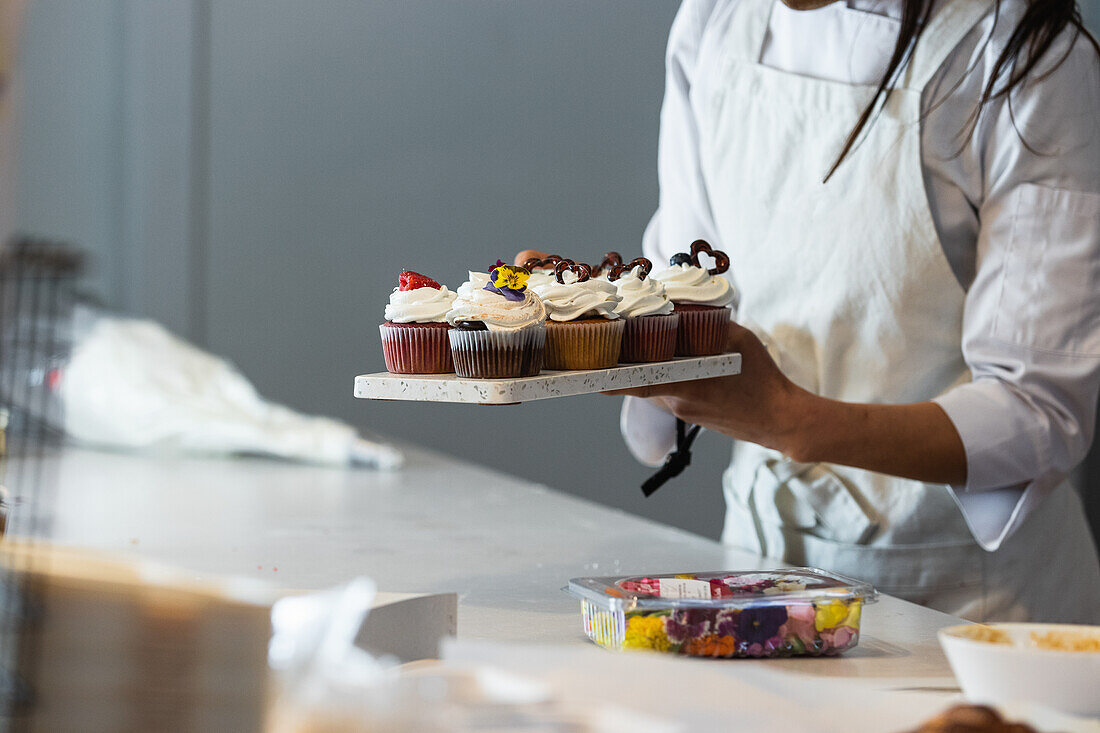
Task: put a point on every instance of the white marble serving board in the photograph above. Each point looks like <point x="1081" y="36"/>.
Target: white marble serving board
<point x="449" y="388"/>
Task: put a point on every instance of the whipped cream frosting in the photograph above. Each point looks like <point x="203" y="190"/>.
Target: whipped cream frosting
<point x="422" y="305"/>
<point x="540" y="278"/>
<point x="641" y="297"/>
<point x="573" y="300"/>
<point x="691" y="284"/>
<point x="474" y="303"/>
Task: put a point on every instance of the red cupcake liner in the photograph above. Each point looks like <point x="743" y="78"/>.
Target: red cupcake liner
<point x="703" y="330"/>
<point x="416" y="348"/>
<point x="650" y="338"/>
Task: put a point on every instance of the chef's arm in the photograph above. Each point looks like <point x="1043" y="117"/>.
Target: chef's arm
<point x="916" y="441"/>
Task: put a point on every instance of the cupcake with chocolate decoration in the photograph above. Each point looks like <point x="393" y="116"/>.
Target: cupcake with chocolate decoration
<point x="583" y="331"/>
<point x="499" y="325"/>
<point x="702" y="299"/>
<point x="650" y="327"/>
<point x="414" y="336"/>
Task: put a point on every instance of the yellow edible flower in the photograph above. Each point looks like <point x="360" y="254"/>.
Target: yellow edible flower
<point x="511" y="278"/>
<point x="829" y="614"/>
<point x="853" y="615"/>
<point x="645" y="632"/>
<point x="837" y="613"/>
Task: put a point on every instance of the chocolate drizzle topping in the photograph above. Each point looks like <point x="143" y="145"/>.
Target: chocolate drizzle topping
<point x="581" y="270"/>
<point x="721" y="259"/>
<point x="618" y="270"/>
<point x="609" y="260"/>
<point x="536" y="263"/>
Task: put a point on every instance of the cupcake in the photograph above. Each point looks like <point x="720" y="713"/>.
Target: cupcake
<point x="650" y="329"/>
<point x="701" y="298"/>
<point x="414" y="336"/>
<point x="583" y="331"/>
<point x="499" y="325"/>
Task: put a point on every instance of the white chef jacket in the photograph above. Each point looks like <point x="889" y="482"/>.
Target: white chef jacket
<point x="1016" y="207"/>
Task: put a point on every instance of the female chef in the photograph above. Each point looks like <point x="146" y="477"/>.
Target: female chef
<point x="909" y="192"/>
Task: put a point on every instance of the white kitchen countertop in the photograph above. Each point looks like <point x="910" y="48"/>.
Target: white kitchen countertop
<point x="505" y="545"/>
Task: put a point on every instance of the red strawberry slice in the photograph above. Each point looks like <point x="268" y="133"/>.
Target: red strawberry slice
<point x="409" y="280"/>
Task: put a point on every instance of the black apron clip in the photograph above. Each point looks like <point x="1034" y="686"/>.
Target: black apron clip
<point x="677" y="460"/>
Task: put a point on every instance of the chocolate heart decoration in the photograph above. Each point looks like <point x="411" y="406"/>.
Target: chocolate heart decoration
<point x="721" y="259"/>
<point x="618" y="270"/>
<point x="547" y="261"/>
<point x="609" y="260"/>
<point x="581" y="270"/>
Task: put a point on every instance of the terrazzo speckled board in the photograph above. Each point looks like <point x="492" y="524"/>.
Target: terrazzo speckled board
<point x="449" y="388"/>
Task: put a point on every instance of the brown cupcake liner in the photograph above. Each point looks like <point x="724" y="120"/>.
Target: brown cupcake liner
<point x="649" y="338"/>
<point x="415" y="349"/>
<point x="498" y="354"/>
<point x="584" y="344"/>
<point x="702" y="331"/>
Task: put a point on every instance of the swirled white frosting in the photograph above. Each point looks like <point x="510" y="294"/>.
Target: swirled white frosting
<point x="641" y="297"/>
<point x="422" y="305"/>
<point x="474" y="303"/>
<point x="539" y="278"/>
<point x="691" y="284"/>
<point x="573" y="300"/>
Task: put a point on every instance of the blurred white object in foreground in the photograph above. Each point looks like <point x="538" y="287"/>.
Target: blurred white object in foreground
<point x="131" y="384"/>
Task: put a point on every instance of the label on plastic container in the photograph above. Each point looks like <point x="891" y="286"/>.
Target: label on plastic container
<point x="685" y="588"/>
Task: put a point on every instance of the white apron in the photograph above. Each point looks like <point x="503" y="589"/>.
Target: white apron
<point x="849" y="282"/>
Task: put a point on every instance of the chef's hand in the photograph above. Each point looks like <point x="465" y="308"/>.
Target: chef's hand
<point x="528" y="254"/>
<point x="762" y="409"/>
<point x="761" y="405"/>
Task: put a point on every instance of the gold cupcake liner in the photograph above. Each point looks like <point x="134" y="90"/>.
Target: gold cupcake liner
<point x="702" y="332"/>
<point x="498" y="354"/>
<point x="416" y="350"/>
<point x="649" y="338"/>
<point x="583" y="344"/>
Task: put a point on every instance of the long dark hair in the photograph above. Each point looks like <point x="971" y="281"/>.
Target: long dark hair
<point x="1042" y="23"/>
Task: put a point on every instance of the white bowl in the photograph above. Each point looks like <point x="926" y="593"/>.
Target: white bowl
<point x="1000" y="674"/>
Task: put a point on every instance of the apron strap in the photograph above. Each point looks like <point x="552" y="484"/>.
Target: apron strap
<point x="946" y="30"/>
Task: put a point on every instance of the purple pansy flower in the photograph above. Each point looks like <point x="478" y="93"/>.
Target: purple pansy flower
<point x="726" y="623"/>
<point x="757" y="625"/>
<point x="508" y="281"/>
<point x="686" y="624"/>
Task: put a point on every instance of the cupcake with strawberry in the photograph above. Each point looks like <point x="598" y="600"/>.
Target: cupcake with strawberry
<point x="499" y="325"/>
<point x="414" y="336"/>
<point x="701" y="297"/>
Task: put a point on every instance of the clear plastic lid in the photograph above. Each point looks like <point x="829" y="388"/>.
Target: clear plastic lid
<point x="720" y="589"/>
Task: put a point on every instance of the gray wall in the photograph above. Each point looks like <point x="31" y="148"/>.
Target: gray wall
<point x="254" y="173"/>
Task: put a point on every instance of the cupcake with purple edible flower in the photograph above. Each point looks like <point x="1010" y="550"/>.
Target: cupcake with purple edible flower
<point x="499" y="325"/>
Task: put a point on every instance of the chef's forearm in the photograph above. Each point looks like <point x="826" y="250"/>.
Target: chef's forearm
<point x="915" y="441"/>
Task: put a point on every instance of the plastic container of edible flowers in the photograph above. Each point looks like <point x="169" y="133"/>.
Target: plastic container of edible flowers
<point x="775" y="613"/>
